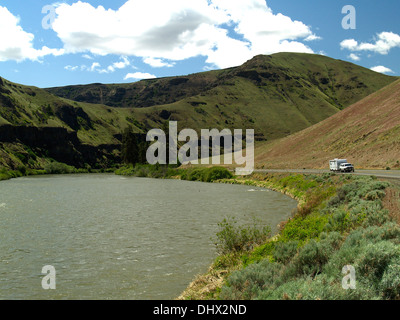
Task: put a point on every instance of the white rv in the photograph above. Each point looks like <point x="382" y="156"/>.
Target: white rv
<point x="334" y="165"/>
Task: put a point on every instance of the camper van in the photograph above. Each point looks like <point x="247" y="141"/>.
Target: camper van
<point x="334" y="165"/>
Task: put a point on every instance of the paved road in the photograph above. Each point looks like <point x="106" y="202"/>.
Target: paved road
<point x="391" y="174"/>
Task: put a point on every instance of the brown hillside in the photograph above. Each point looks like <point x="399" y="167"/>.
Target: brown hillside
<point x="366" y="134"/>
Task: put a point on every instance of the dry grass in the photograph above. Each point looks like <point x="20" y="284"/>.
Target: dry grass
<point x="366" y="134"/>
<point x="204" y="286"/>
<point x="392" y="200"/>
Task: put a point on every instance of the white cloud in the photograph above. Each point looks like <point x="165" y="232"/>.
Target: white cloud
<point x="157" y="63"/>
<point x="384" y="42"/>
<point x="349" y="44"/>
<point x="139" y="76"/>
<point x="116" y="65"/>
<point x="312" y="37"/>
<point x="161" y="31"/>
<point x="354" y="57"/>
<point x="71" y="68"/>
<point x="94" y="66"/>
<point x="381" y="69"/>
<point x="17" y="44"/>
<point x="86" y="56"/>
<point x="121" y="64"/>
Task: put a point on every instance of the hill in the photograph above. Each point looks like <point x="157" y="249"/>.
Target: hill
<point x="366" y="134"/>
<point x="276" y="95"/>
<point x="35" y="124"/>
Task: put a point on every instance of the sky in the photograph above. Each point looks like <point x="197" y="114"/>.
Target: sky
<point x="48" y="44"/>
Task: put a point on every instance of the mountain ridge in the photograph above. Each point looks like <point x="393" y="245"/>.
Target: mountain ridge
<point x="275" y="95"/>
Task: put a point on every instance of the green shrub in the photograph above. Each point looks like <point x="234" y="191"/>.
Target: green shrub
<point x="206" y="174"/>
<point x="311" y="258"/>
<point x="217" y="173"/>
<point x="264" y="251"/>
<point x="248" y="283"/>
<point x="375" y="259"/>
<point x="390" y="283"/>
<point x="22" y="169"/>
<point x="352" y="228"/>
<point x="148" y="171"/>
<point x="167" y="171"/>
<point x="196" y="175"/>
<point x="58" y="168"/>
<point x="285" y="251"/>
<point x="234" y="238"/>
<point x="303" y="229"/>
<point x="339" y="221"/>
<point x="320" y="288"/>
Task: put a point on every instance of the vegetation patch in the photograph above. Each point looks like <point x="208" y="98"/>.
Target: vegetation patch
<point x="344" y="223"/>
<point x="172" y="171"/>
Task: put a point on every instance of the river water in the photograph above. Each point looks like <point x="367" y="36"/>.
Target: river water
<point x="112" y="237"/>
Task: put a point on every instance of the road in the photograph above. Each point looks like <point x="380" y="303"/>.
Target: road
<point x="389" y="174"/>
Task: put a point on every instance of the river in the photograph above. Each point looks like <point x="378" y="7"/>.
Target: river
<point x="112" y="237"/>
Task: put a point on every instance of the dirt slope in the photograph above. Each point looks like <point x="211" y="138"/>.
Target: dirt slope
<point x="366" y="134"/>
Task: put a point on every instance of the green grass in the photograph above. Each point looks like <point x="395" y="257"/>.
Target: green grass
<point x="275" y="95"/>
<point x="306" y="259"/>
<point x="20" y="172"/>
<point x="234" y="238"/>
<point x="171" y="171"/>
<point x="345" y="224"/>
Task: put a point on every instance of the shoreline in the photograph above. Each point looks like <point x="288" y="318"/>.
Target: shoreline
<point x="214" y="279"/>
<point x="213" y="283"/>
<point x="14" y="174"/>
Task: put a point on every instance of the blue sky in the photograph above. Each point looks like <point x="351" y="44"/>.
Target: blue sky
<point x="127" y="40"/>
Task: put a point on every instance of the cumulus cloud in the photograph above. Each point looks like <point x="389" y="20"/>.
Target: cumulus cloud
<point x="117" y="65"/>
<point x="382" y="69"/>
<point x="86" y="56"/>
<point x="139" y="76"/>
<point x="71" y="68"/>
<point x="354" y="57"/>
<point x="162" y="32"/>
<point x="96" y="66"/>
<point x="384" y="42"/>
<point x="17" y="44"/>
<point x="157" y="63"/>
<point x="313" y="37"/>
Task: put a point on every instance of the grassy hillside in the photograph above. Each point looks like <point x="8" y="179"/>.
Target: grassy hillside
<point x="35" y="124"/>
<point x="276" y="95"/>
<point x="30" y="106"/>
<point x="366" y="133"/>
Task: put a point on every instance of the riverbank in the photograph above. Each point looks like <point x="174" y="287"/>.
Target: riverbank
<point x="50" y="168"/>
<point x="11" y="174"/>
<point x="341" y="220"/>
<point x="173" y="172"/>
